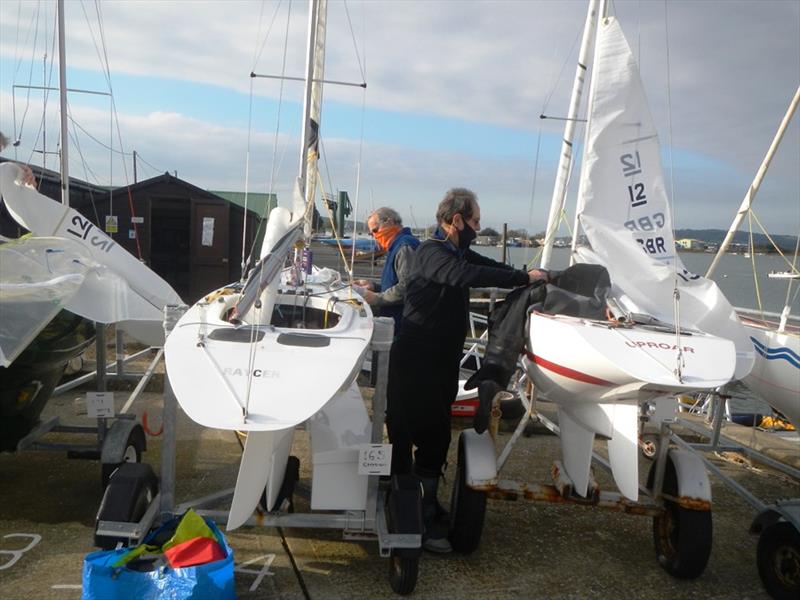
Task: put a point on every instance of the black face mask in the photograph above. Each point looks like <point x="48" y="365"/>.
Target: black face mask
<point x="466" y="236"/>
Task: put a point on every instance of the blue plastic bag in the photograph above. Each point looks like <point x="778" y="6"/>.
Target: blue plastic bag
<point x="211" y="581"/>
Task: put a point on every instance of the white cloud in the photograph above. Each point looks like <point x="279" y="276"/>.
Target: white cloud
<point x="733" y="67"/>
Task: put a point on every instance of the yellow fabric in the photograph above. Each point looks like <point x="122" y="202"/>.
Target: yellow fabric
<point x="191" y="526"/>
<point x="776" y="423"/>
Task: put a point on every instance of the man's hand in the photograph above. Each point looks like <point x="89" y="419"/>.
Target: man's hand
<point x="27" y="176"/>
<point x="537" y="274"/>
<point x="364" y="283"/>
<point x="368" y="295"/>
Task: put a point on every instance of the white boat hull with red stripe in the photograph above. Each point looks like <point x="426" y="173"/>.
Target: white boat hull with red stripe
<point x="581" y="360"/>
<point x="598" y="373"/>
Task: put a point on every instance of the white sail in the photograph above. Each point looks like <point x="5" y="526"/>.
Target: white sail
<point x="624" y="210"/>
<point x="39" y="279"/>
<point x="117" y="288"/>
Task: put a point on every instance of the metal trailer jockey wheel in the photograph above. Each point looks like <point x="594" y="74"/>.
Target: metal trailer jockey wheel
<point x="404" y="514"/>
<point x="778" y="557"/>
<point x="129" y="492"/>
<point x="113" y="456"/>
<point x="682" y="535"/>
<point x="467" y="508"/>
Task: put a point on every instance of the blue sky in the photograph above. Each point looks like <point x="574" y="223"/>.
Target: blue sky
<point x="454" y="93"/>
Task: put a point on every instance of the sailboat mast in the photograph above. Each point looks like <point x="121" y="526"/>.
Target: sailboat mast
<point x="62" y="84"/>
<point x="565" y="159"/>
<point x="753" y="189"/>
<point x="312" y="102"/>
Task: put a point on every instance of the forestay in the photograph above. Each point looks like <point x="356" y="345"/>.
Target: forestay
<point x="623" y="206"/>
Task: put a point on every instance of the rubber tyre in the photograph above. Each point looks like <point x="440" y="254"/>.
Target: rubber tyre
<point x="778" y="559"/>
<point x="682" y="536"/>
<point x="467" y="509"/>
<point x="134" y="447"/>
<point x="130" y="491"/>
<point x="403" y="573"/>
<point x="649" y="447"/>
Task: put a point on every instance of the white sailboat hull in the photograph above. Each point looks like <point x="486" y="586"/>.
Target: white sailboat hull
<point x="609" y="363"/>
<point x="776" y="373"/>
<point x="598" y="373"/>
<point x="286" y="375"/>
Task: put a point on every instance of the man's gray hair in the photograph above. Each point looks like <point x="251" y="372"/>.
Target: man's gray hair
<point x="456" y="201"/>
<point x="386" y="216"/>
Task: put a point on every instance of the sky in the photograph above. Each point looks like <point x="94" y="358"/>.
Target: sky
<point x="454" y="93"/>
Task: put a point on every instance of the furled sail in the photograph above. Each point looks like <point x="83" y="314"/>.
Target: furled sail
<point x="624" y="210"/>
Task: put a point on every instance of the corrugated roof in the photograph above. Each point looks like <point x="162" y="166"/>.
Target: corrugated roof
<point x="257" y="203"/>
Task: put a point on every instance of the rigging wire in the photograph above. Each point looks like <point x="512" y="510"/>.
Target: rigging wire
<point x="247" y="180"/>
<point x="77" y="144"/>
<point x="264" y="216"/>
<point x="115" y="118"/>
<point x="358" y="182"/>
<point x="257" y="54"/>
<point x="567" y="59"/>
<point x="46" y="81"/>
<point x="355" y="44"/>
<point x="18" y="63"/>
<point x="360" y="140"/>
<point x="676" y="294"/>
<point x="554" y="79"/>
<point x="276" y="164"/>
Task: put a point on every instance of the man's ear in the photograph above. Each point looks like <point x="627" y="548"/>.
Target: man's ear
<point x="458" y="221"/>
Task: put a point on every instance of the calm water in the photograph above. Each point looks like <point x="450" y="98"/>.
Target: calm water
<point x="734" y="277"/>
<point x="734" y="274"/>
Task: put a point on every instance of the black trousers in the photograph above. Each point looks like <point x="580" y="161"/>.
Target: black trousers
<point x="423" y="383"/>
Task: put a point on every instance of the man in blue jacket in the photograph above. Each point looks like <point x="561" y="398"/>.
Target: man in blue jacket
<point x="386" y="227"/>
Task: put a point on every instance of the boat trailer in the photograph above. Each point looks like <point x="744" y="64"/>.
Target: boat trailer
<point x="134" y="502"/>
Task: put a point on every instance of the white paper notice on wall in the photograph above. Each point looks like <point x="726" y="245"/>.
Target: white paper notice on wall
<point x="375" y="459"/>
<point x="208" y="231"/>
<point x="99" y="404"/>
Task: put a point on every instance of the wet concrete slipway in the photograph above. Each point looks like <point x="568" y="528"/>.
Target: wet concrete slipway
<point x="527" y="550"/>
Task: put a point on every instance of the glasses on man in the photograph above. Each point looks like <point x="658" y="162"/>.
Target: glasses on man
<point x="375" y="230"/>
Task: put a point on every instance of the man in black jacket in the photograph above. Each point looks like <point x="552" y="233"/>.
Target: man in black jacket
<point x="424" y="362"/>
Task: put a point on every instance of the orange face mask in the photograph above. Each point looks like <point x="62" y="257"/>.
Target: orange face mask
<point x="385" y="235"/>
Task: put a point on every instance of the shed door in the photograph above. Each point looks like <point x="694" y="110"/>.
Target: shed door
<point x="209" y="249"/>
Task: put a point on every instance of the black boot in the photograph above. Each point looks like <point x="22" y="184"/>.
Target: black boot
<point x="434" y="537"/>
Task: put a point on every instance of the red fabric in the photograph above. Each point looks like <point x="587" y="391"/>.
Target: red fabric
<point x="196" y="551"/>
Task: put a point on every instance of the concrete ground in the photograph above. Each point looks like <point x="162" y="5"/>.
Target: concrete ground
<point x="527" y="550"/>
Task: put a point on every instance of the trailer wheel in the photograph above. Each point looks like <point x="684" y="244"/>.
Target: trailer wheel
<point x="778" y="558"/>
<point x="129" y="492"/>
<point x="403" y="573"/>
<point x="134" y="446"/>
<point x="404" y="515"/>
<point x="467" y="508"/>
<point x="682" y="535"/>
